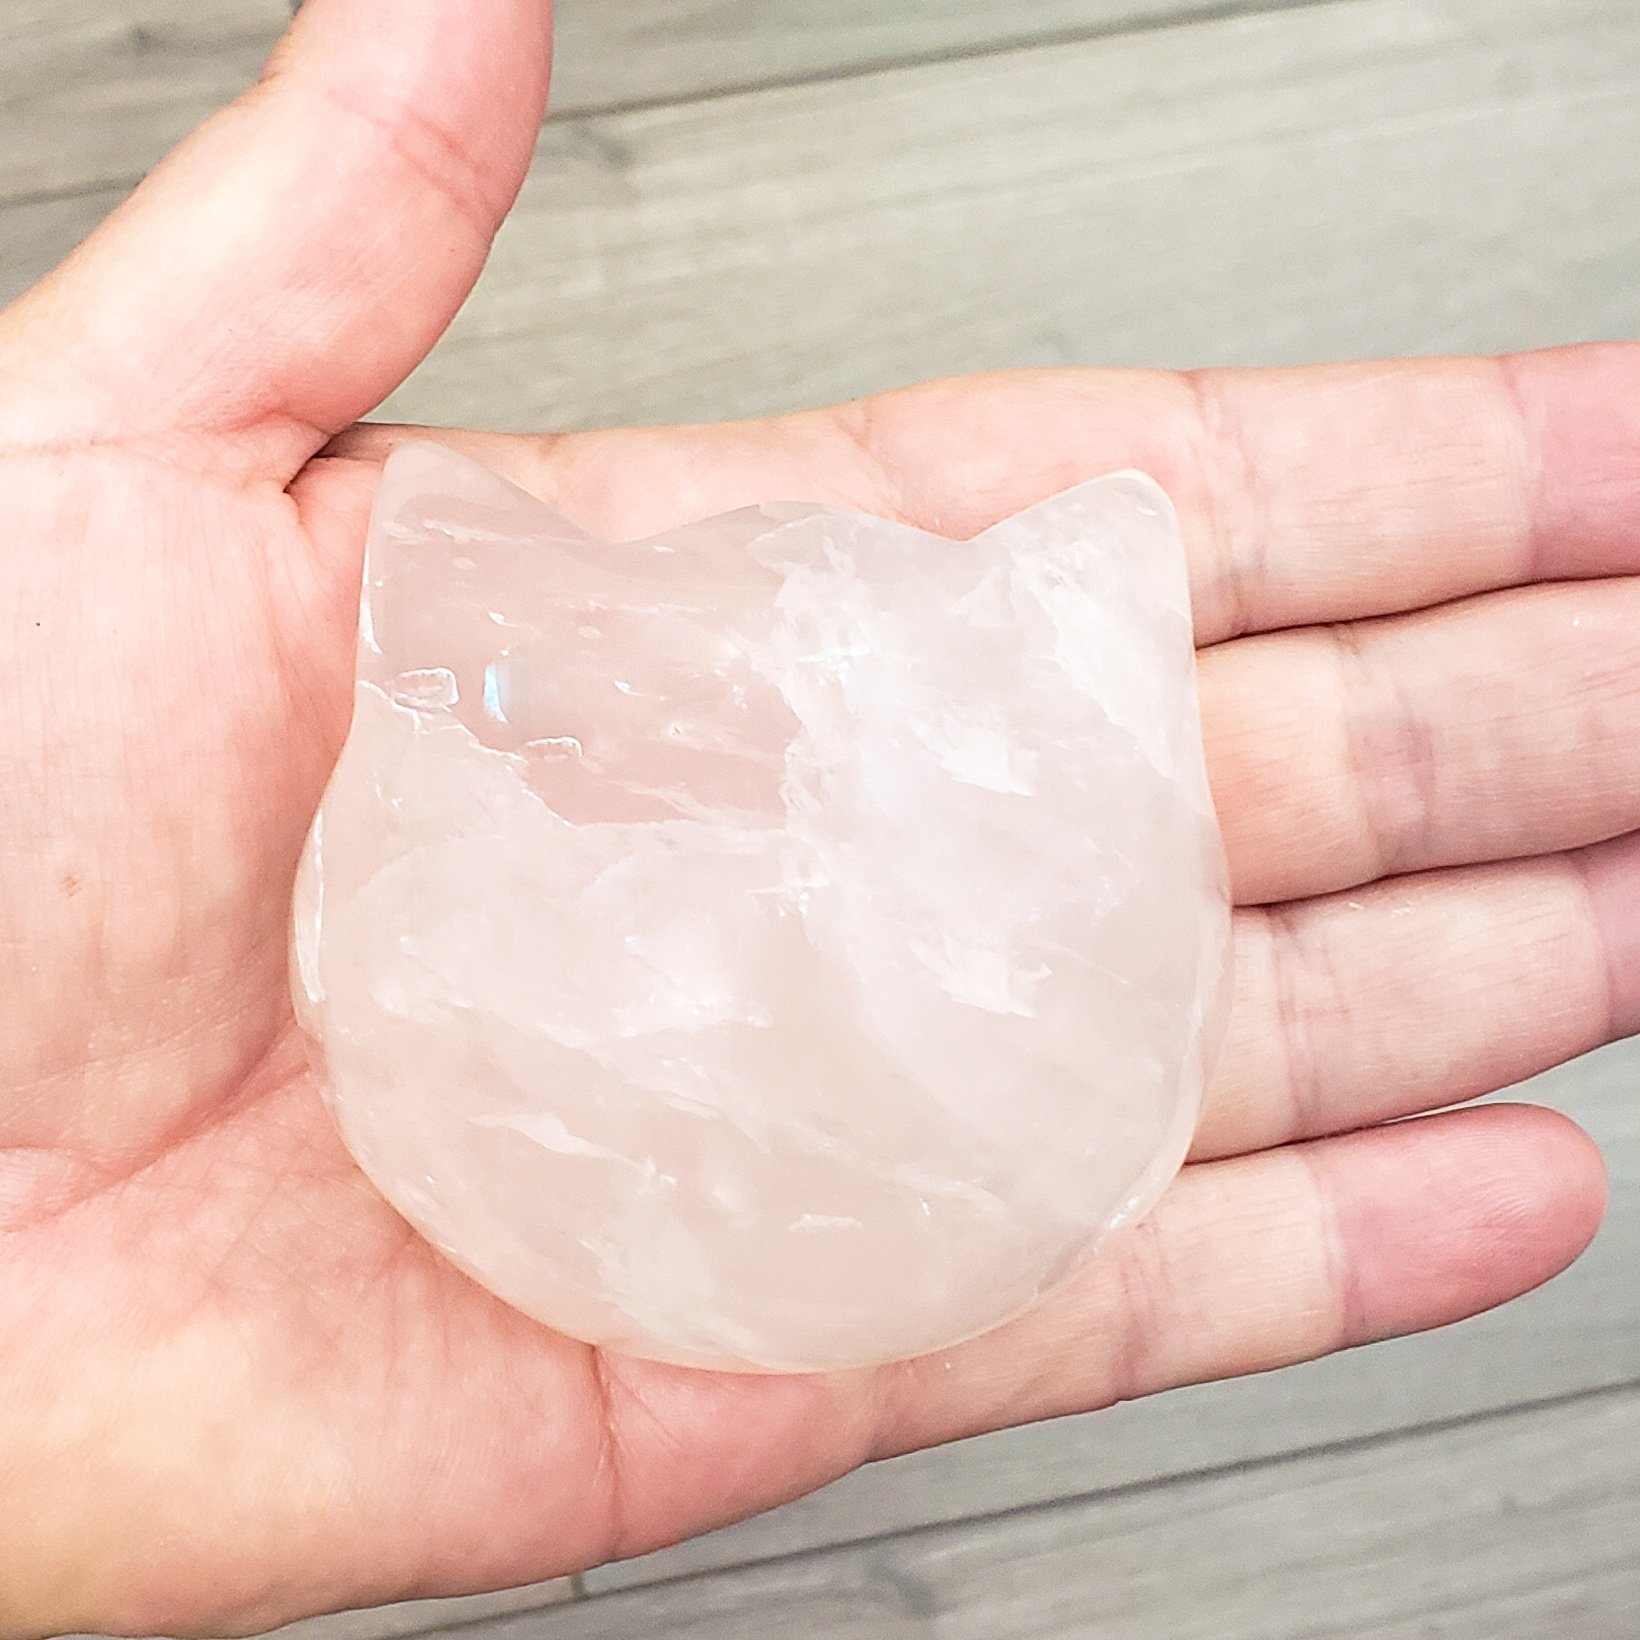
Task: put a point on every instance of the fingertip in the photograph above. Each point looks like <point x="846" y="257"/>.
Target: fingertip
<point x="1580" y="416"/>
<point x="1585" y="1187"/>
<point x="1443" y="1217"/>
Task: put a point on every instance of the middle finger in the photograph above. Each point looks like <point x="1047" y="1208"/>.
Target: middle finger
<point x="1421" y="992"/>
<point x="1498" y="728"/>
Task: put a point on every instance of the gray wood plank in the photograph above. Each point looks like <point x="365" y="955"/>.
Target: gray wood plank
<point x="1510" y="1528"/>
<point x="413" y="1617"/>
<point x="93" y="91"/>
<point x="1370" y="176"/>
<point x="1581" y="1332"/>
<point x="36" y="236"/>
<point x="654" y="51"/>
<point x="1376" y="176"/>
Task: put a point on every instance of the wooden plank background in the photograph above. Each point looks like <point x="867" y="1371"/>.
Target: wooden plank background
<point x="1371" y="176"/>
<point x="1521" y="1526"/>
<point x="745" y="205"/>
<point x="92" y="92"/>
<point x="664" y="51"/>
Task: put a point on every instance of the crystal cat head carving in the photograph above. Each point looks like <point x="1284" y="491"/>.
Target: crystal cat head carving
<point x="791" y="943"/>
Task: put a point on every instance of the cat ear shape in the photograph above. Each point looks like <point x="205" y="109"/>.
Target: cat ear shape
<point x="1107" y="535"/>
<point x="1103" y="564"/>
<point x="437" y="505"/>
<point x="704" y="932"/>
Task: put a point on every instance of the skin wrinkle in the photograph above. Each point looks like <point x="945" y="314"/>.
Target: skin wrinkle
<point x="1233" y="1099"/>
<point x="353" y="1332"/>
<point x="1391" y="752"/>
<point x="1240" y="532"/>
<point x="1342" y="1275"/>
<point x="240" y="479"/>
<point x="39" y="1183"/>
<point x="1479" y="789"/>
<point x="856" y="422"/>
<point x="240" y="982"/>
<point x="137" y="1054"/>
<point x="1294" y="1021"/>
<point x="602" y="1382"/>
<point x="221" y="1273"/>
<point x="318" y="712"/>
<point x="1599" y="875"/>
<point x="422" y="146"/>
<point x="236" y="453"/>
<point x="1532" y="567"/>
<point x="98" y="1175"/>
<point x="1137" y="1262"/>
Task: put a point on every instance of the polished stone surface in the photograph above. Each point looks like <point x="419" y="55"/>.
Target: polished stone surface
<point x="791" y="943"/>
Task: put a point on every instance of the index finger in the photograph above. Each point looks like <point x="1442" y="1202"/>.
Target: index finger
<point x="1315" y="494"/>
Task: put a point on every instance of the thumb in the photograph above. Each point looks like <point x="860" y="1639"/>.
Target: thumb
<point x="285" y="269"/>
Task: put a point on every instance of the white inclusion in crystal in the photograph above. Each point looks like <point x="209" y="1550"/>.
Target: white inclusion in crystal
<point x="547" y="1130"/>
<point x="979" y="751"/>
<point x="795" y="943"/>
<point x="556" y="746"/>
<point x="981" y="977"/>
<point x="430" y="690"/>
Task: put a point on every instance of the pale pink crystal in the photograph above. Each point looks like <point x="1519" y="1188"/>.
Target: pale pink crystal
<point x="791" y="943"/>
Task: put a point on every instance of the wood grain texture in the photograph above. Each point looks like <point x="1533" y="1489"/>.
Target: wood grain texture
<point x="92" y="93"/>
<point x="1516" y="1527"/>
<point x="1377" y="176"/>
<point x="645" y="51"/>
<point x="1370" y="176"/>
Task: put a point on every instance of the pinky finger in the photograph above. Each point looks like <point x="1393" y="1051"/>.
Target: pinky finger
<point x="1276" y="1258"/>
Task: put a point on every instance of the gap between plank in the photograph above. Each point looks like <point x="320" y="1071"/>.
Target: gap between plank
<point x="1008" y="46"/>
<point x="1133" y="1489"/>
<point x="1004" y="46"/>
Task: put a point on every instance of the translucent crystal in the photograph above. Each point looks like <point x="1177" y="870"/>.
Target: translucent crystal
<point x="791" y="943"/>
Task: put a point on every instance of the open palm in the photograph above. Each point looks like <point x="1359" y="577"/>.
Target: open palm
<point x="237" y="1388"/>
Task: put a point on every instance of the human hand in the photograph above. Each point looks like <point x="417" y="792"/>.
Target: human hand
<point x="238" y="1388"/>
